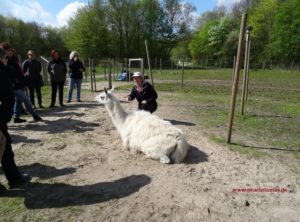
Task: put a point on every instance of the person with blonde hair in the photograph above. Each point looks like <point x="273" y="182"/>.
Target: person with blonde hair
<point x="76" y="69"/>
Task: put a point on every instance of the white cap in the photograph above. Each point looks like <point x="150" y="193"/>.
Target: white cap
<point x="137" y="74"/>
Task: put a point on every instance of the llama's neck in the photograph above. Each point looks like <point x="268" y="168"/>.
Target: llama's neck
<point x="116" y="112"/>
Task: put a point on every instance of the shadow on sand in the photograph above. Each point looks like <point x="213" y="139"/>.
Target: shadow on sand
<point x="266" y="148"/>
<point x="58" y="195"/>
<point x="195" y="156"/>
<point x="22" y="139"/>
<point x="45" y="172"/>
<point x="176" y="122"/>
<point x="59" y="126"/>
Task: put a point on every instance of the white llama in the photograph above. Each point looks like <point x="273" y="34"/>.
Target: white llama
<point x="141" y="131"/>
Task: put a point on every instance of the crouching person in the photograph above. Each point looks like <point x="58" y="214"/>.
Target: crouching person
<point x="144" y="92"/>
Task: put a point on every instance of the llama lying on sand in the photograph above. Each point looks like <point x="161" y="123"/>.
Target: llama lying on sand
<point x="144" y="132"/>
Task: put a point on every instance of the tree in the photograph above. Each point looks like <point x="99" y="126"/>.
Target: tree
<point x="181" y="51"/>
<point x="216" y="14"/>
<point x="286" y="32"/>
<point x="24" y="36"/>
<point x="218" y="35"/>
<point x="87" y="32"/>
<point x="261" y="19"/>
<point x="199" y="45"/>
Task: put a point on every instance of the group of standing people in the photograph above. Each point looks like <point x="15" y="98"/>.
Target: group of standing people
<point x="57" y="70"/>
<point x="15" y="80"/>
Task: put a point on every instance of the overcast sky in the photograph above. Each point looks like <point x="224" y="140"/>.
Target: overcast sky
<point x="57" y="12"/>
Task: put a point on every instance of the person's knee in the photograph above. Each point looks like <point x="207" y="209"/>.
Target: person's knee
<point x="148" y="107"/>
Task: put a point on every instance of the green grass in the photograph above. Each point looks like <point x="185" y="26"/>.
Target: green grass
<point x="272" y="112"/>
<point x="247" y="150"/>
<point x="46" y="94"/>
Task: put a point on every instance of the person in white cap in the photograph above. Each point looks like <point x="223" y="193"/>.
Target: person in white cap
<point x="144" y="92"/>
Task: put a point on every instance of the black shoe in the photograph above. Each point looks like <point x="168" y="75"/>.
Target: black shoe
<point x="52" y="106"/>
<point x="37" y="118"/>
<point x="41" y="106"/>
<point x="2" y="188"/>
<point x="78" y="100"/>
<point x="68" y="101"/>
<point x="23" y="111"/>
<point x="62" y="105"/>
<point x="18" y="120"/>
<point x="24" y="178"/>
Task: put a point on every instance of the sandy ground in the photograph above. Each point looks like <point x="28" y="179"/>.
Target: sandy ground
<point x="77" y="162"/>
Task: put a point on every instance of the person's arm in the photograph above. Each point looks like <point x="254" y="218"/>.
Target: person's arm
<point x="82" y="66"/>
<point x="25" y="66"/>
<point x="151" y="93"/>
<point x="71" y="64"/>
<point x="132" y="94"/>
<point x="7" y="101"/>
<point x="65" y="67"/>
<point x="49" y="69"/>
<point x="39" y="67"/>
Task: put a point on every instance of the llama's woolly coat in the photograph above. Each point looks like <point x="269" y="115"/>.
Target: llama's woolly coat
<point x="142" y="131"/>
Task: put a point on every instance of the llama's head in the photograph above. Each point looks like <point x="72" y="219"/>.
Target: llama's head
<point x="105" y="97"/>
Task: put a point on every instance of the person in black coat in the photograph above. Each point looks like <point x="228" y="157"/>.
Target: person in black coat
<point x="32" y="69"/>
<point x="144" y="92"/>
<point x="11" y="171"/>
<point x="57" y="70"/>
<point x="18" y="82"/>
<point x="76" y="69"/>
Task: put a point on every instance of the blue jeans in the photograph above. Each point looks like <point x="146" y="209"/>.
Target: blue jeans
<point x="72" y="83"/>
<point x="20" y="97"/>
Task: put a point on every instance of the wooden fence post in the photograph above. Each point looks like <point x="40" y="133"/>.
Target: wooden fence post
<point x="182" y="72"/>
<point x="149" y="63"/>
<point x="160" y="64"/>
<point x="233" y="67"/>
<point x="246" y="68"/>
<point x="109" y="75"/>
<point x="91" y="74"/>
<point x="236" y="77"/>
<point x="247" y="80"/>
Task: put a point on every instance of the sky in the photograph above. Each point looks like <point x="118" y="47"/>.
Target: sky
<point x="57" y="12"/>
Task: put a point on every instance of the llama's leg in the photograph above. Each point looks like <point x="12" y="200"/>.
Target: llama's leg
<point x="125" y="143"/>
<point x="125" y="146"/>
<point x="164" y="159"/>
<point x="156" y="153"/>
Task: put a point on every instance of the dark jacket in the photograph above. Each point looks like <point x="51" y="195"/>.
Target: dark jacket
<point x="148" y="93"/>
<point x="32" y="72"/>
<point x="57" y="70"/>
<point x="6" y="97"/>
<point x="16" y="74"/>
<point x="75" y="67"/>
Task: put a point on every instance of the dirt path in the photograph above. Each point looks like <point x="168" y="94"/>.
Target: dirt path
<point x="81" y="173"/>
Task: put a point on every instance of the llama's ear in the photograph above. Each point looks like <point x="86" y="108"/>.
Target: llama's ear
<point x="105" y="90"/>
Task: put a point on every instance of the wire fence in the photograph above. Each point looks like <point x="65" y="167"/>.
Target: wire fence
<point x="110" y="69"/>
